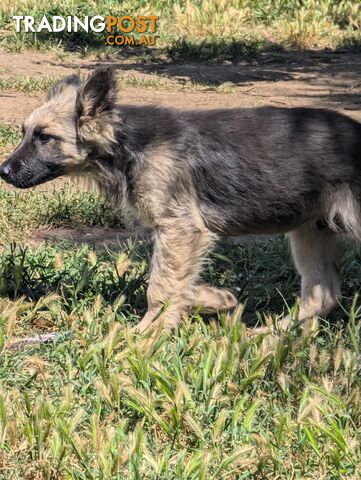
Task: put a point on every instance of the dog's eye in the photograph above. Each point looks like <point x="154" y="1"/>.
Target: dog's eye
<point x="44" y="138"/>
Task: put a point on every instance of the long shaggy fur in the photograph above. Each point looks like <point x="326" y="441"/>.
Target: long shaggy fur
<point x="194" y="175"/>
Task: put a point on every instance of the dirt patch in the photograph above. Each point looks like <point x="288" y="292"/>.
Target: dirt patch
<point x="322" y="79"/>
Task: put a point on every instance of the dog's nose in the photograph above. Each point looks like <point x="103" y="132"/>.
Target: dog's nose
<point x="4" y="171"/>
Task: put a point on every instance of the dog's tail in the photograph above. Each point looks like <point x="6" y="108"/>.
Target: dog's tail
<point x="344" y="212"/>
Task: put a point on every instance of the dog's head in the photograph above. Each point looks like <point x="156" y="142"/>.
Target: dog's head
<point x="75" y="124"/>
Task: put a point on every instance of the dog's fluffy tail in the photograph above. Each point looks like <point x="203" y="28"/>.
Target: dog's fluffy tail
<point x="344" y="212"/>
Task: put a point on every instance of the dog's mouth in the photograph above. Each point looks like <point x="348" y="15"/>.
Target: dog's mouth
<point x="24" y="183"/>
<point x="26" y="178"/>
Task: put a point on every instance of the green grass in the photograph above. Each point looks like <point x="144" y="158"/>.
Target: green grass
<point x="64" y="205"/>
<point x="208" y="401"/>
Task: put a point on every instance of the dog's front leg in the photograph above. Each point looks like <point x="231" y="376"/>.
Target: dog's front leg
<point x="178" y="251"/>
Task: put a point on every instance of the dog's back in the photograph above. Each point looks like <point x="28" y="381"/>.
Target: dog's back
<point x="273" y="169"/>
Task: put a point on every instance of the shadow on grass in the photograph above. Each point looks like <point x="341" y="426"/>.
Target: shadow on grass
<point x="77" y="274"/>
<point x="221" y="49"/>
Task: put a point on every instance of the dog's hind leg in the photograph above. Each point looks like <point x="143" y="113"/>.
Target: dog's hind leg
<point x="316" y="254"/>
<point x="179" y="248"/>
<point x="211" y="299"/>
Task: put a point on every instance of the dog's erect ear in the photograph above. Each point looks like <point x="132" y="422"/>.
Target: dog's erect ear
<point x="95" y="107"/>
<point x="98" y="95"/>
<point x="67" y="84"/>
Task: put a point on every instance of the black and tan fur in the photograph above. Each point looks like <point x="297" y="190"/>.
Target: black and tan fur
<point x="192" y="176"/>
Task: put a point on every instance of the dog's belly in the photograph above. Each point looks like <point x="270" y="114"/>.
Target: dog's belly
<point x="271" y="219"/>
<point x="269" y="229"/>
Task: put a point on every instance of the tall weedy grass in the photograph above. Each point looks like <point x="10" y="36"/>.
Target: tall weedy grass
<point x="303" y="24"/>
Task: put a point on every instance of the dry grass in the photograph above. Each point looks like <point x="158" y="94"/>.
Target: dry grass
<point x="289" y="23"/>
<point x="210" y="18"/>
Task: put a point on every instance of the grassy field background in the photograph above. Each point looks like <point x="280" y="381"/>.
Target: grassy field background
<point x="201" y="29"/>
<point x="212" y="400"/>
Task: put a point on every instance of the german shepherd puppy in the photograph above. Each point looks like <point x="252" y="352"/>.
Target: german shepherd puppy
<point x="195" y="175"/>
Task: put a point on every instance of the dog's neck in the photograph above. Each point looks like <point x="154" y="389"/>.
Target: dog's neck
<point x="113" y="175"/>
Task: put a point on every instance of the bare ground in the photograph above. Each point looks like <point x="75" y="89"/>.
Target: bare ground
<point x="326" y="79"/>
<point x="320" y="79"/>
